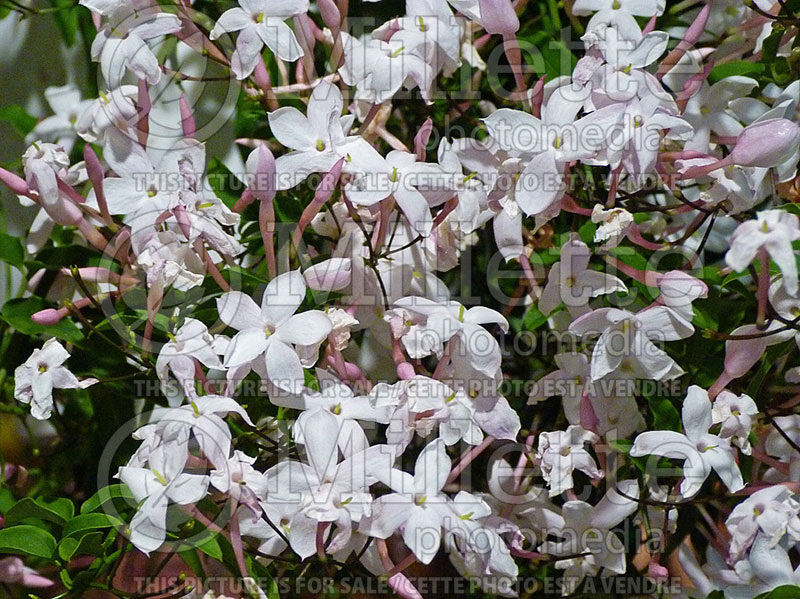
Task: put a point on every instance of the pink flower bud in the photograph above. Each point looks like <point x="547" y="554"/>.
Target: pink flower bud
<point x="47" y="317"/>
<point x="766" y="143"/>
<point x="330" y="275"/>
<point x="498" y="16"/>
<point x="187" y="118"/>
<point x="589" y="419"/>
<point x="405" y="371"/>
<point x="261" y="166"/>
<point x="15" y="183"/>
<point x="422" y="137"/>
<point x="742" y="354"/>
<point x="657" y="572"/>
<point x="330" y="14"/>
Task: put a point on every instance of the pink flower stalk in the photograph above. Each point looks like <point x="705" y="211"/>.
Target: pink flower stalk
<point x="322" y="194"/>
<point x="690" y="38"/>
<point x="536" y="97"/>
<point x="143" y="106"/>
<point x="264" y="83"/>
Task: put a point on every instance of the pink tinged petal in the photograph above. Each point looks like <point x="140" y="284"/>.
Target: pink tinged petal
<point x="649" y="49"/>
<point x="598" y="283"/>
<point x="239" y="311"/>
<point x="292" y="129"/>
<point x="771" y="564"/>
<point x="501" y="421"/>
<point x="550" y="298"/>
<point x="303" y="535"/>
<point x="597" y="321"/>
<point x="722" y="460"/>
<point x="231" y="20"/>
<point x="483" y="351"/>
<point x="124" y="154"/>
<point x="483" y="315"/>
<point x="279" y="38"/>
<point x="508" y="234"/>
<point x="246" y="346"/>
<point x="52" y="353"/>
<point x="158" y="24"/>
<point x="389" y="513"/>
<point x="294" y="167"/>
<point x="431" y="469"/>
<point x="540" y="184"/>
<point x="218" y="404"/>
<point x="64" y="379"/>
<point x="283" y="297"/>
<point x="655" y="362"/>
<point x="42" y="400"/>
<point x="188" y="488"/>
<point x="248" y="49"/>
<point x="696" y="414"/>
<point x="780" y="250"/>
<point x="415" y="208"/>
<point x="141" y="60"/>
<point x="148" y="524"/>
<point x="606" y="357"/>
<point x="422" y="533"/>
<point x="141" y="482"/>
<point x="306" y="328"/>
<point x="516" y="130"/>
<point x="617" y="504"/>
<point x="666" y="444"/>
<point x="324" y="106"/>
<point x="284" y="369"/>
<point x="320" y="434"/>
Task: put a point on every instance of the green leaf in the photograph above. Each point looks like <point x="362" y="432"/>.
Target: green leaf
<point x="27" y="540"/>
<point x="665" y="415"/>
<point x="533" y="319"/>
<point x="66" y="19"/>
<point x="84" y="524"/>
<point x="89" y="544"/>
<point x="587" y="231"/>
<point x="105" y="495"/>
<point x="772" y="43"/>
<point x="17" y="313"/>
<point x="11" y="250"/>
<point x="735" y="67"/>
<point x="223" y="182"/>
<point x="57" y="511"/>
<point x="786" y="591"/>
<point x="17" y="117"/>
<point x="622" y="445"/>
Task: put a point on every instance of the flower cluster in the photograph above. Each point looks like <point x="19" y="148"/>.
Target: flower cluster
<point x="642" y="202"/>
